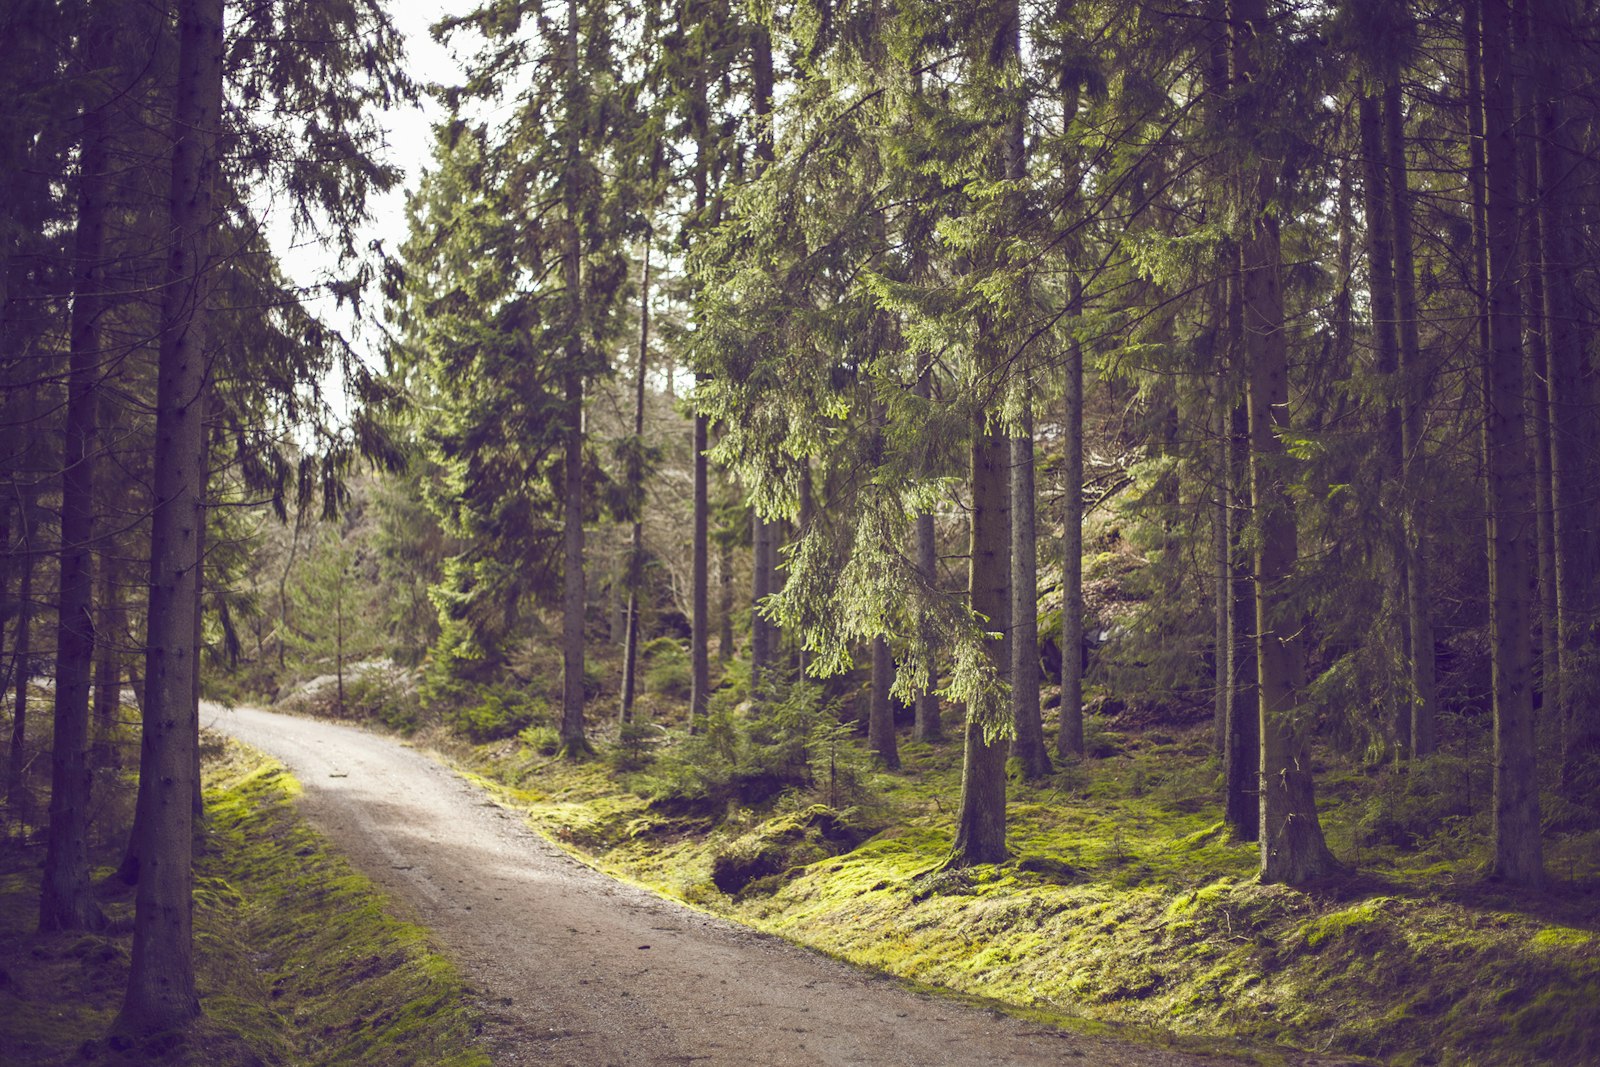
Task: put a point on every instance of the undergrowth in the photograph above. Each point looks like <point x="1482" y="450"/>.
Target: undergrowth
<point x="1126" y="901"/>
<point x="297" y="961"/>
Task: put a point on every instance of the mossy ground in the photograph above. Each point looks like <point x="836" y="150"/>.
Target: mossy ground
<point x="298" y="961"/>
<point x="1126" y="901"/>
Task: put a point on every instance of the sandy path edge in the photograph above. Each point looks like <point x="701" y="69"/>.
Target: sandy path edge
<point x="578" y="968"/>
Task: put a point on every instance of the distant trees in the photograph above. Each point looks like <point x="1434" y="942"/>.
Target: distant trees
<point x="1282" y="311"/>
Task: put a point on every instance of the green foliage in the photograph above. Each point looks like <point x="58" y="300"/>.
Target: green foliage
<point x="666" y="669"/>
<point x="1130" y="905"/>
<point x="386" y="694"/>
<point x="796" y="743"/>
<point x="499" y="712"/>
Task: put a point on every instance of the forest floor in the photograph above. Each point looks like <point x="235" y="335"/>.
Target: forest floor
<point x="575" y="967"/>
<point x="299" y="961"/>
<point x="1126" y="900"/>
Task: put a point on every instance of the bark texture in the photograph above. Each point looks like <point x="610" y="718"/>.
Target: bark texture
<point x="1511" y="526"/>
<point x="161" y="991"/>
<point x="1029" y="747"/>
<point x="1292" y="847"/>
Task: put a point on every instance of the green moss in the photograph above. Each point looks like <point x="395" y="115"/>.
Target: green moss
<point x="348" y="983"/>
<point x="1342" y="923"/>
<point x="1128" y="904"/>
<point x="1558" y="937"/>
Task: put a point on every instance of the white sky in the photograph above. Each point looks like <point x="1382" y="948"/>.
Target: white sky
<point x="409" y="139"/>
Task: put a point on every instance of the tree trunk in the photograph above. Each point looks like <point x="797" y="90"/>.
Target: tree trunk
<point x="17" y="795"/>
<point x="65" y="902"/>
<point x="1518" y="854"/>
<point x="760" y="588"/>
<point x="700" y="611"/>
<point x="929" y="727"/>
<point x="808" y="514"/>
<point x="981" y="821"/>
<point x="724" y="600"/>
<point x="197" y="800"/>
<point x="1414" y="385"/>
<point x="635" y="567"/>
<point x="1574" y="415"/>
<point x="1382" y="295"/>
<point x="1241" y="756"/>
<point x="574" y="590"/>
<point x="880" y="709"/>
<point x="764" y="534"/>
<point x="161" y="991"/>
<point x="108" y="664"/>
<point x="1069" y="732"/>
<point x="1292" y="848"/>
<point x="1535" y="331"/>
<point x="1222" y="569"/>
<point x="1029" y="746"/>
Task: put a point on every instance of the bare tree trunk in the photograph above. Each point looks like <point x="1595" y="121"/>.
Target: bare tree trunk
<point x="880" y="709"/>
<point x="725" y="601"/>
<point x="1518" y="853"/>
<point x="1292" y="847"/>
<point x="65" y="902"/>
<point x="17" y="794"/>
<point x="1029" y="745"/>
<point x="1419" y="603"/>
<point x="760" y="588"/>
<point x="108" y="662"/>
<point x="574" y="594"/>
<point x="981" y="819"/>
<point x="1535" y="332"/>
<point x="635" y="566"/>
<point x="1574" y="414"/>
<point x="1222" y="570"/>
<point x="1069" y="732"/>
<point x="1386" y="351"/>
<point x="161" y="990"/>
<point x="1241" y="757"/>
<point x="808" y="514"/>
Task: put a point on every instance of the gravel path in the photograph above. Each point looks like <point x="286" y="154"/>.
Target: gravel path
<point x="576" y="968"/>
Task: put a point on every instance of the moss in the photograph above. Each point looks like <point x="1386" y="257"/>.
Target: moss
<point x="1558" y="937"/>
<point x="296" y="960"/>
<point x="1342" y="923"/>
<point x="1128" y="904"/>
<point x="352" y="984"/>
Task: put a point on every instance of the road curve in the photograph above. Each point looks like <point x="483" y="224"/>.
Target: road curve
<point x="576" y="968"/>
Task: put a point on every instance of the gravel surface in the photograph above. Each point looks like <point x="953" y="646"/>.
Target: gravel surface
<point x="574" y="967"/>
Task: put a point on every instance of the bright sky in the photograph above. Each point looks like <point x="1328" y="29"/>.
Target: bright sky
<point x="409" y="137"/>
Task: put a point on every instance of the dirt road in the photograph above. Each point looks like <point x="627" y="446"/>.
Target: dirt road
<point x="577" y="968"/>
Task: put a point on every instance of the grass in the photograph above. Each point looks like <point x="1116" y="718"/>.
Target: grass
<point x="1127" y="903"/>
<point x="298" y="960"/>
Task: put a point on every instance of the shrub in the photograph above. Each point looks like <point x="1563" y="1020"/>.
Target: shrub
<point x="545" y="740"/>
<point x="385" y="693"/>
<point x="501" y="712"/>
<point x="667" y="670"/>
<point x="795" y="743"/>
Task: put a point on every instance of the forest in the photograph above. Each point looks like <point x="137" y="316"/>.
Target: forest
<point x="950" y="484"/>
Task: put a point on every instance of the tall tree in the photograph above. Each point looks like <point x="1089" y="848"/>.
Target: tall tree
<point x="1518" y="854"/>
<point x="161" y="991"/>
<point x="1069" y="732"/>
<point x="1292" y="847"/>
<point x="65" y="900"/>
<point x="1030" y="745"/>
<point x="576" y="192"/>
<point x="981" y="817"/>
<point x="635" y="486"/>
